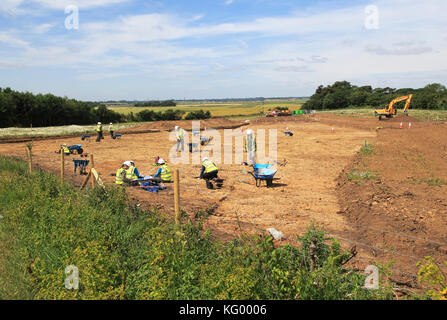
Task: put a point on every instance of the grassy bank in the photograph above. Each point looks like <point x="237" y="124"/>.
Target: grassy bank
<point x="124" y="252"/>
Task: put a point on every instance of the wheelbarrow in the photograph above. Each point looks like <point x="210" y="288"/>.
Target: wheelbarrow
<point x="263" y="172"/>
<point x="82" y="164"/>
<point x="74" y="148"/>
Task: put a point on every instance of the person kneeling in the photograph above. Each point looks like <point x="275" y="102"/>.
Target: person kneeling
<point x="164" y="172"/>
<point x="121" y="173"/>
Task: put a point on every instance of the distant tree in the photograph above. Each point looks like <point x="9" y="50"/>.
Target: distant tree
<point x="198" y="115"/>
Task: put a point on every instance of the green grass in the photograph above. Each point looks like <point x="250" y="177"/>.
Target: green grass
<point x="125" y="252"/>
<point x="433" y="115"/>
<point x="358" y="176"/>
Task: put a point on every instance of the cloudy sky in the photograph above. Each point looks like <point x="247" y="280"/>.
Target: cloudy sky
<point x="162" y="49"/>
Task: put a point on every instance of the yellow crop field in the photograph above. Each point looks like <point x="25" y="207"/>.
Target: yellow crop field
<point x="216" y="109"/>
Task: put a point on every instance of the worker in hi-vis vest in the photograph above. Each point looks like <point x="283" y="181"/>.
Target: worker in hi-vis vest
<point x="209" y="169"/>
<point x="132" y="173"/>
<point x="180" y="135"/>
<point x="121" y="173"/>
<point x="164" y="172"/>
<point x="250" y="146"/>
<point x="112" y="130"/>
<point x="99" y="132"/>
<point x="65" y="149"/>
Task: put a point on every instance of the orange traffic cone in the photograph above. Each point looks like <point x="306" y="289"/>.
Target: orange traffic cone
<point x="409" y="125"/>
<point x="401" y="125"/>
<point x="333" y="130"/>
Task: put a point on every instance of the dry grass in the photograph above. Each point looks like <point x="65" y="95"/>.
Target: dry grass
<point x="55" y="131"/>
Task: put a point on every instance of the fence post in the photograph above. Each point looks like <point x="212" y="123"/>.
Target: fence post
<point x="30" y="160"/>
<point x="62" y="166"/>
<point x="92" y="167"/>
<point x="177" y="195"/>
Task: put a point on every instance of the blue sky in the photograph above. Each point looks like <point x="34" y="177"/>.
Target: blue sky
<point x="155" y="49"/>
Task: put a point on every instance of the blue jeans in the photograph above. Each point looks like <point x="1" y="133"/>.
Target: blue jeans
<point x="178" y="144"/>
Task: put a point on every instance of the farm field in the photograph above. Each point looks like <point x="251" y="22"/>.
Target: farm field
<point x="219" y="109"/>
<point x="388" y="200"/>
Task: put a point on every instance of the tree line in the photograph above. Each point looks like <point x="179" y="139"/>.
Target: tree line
<point x="167" y="103"/>
<point x="24" y="109"/>
<point x="342" y="94"/>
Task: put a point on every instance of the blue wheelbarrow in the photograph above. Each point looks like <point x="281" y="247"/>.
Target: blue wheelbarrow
<point x="263" y="172"/>
<point x="76" y="148"/>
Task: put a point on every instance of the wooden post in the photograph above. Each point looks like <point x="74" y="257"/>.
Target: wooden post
<point x="177" y="195"/>
<point x="62" y="166"/>
<point x="84" y="183"/>
<point x="30" y="160"/>
<point x="92" y="162"/>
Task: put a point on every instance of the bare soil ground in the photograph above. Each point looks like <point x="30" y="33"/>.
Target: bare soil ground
<point x="404" y="193"/>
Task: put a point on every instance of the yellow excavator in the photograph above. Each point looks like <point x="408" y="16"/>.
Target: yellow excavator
<point x="391" y="110"/>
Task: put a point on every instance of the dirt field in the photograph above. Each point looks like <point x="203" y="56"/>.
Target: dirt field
<point x="403" y="192"/>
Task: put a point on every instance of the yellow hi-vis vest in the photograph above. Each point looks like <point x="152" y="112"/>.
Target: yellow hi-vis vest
<point x="130" y="173"/>
<point x="65" y="150"/>
<point x="179" y="134"/>
<point x="166" y="174"/>
<point x="111" y="128"/>
<point x="209" y="166"/>
<point x="120" y="174"/>
<point x="250" y="143"/>
<point x="98" y="128"/>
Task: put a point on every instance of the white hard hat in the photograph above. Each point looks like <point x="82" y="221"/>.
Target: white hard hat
<point x="99" y="122"/>
<point x="111" y="123"/>
<point x="64" y="144"/>
<point x="161" y="161"/>
<point x="249" y="131"/>
<point x="127" y="163"/>
<point x="176" y="127"/>
<point x="204" y="159"/>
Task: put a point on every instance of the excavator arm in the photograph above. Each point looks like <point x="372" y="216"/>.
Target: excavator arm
<point x="391" y="111"/>
<point x="391" y="108"/>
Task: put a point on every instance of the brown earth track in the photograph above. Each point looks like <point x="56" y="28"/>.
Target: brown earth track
<point x="404" y="198"/>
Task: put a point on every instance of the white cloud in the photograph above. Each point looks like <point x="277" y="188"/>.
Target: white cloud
<point x="9" y="7"/>
<point x="228" y="2"/>
<point x="9" y="39"/>
<point x="81" y="4"/>
<point x="43" y="28"/>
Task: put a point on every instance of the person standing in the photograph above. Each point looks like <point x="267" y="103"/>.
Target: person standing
<point x="180" y="134"/>
<point x="112" y="130"/>
<point x="99" y="132"/>
<point x="250" y="146"/>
